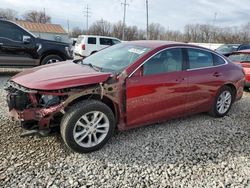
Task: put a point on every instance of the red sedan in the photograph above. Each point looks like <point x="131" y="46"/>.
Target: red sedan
<point x="124" y="86"/>
<point x="242" y="57"/>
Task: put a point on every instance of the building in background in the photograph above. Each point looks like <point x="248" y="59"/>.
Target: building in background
<point x="53" y="32"/>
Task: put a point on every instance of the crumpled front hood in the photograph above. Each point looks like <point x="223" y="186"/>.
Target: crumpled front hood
<point x="59" y="76"/>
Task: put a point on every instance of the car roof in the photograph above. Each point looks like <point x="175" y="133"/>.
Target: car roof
<point x="97" y="36"/>
<point x="243" y="51"/>
<point x="160" y="43"/>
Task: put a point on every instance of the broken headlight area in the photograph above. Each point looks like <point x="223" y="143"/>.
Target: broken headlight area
<point x="49" y="100"/>
<point x="37" y="107"/>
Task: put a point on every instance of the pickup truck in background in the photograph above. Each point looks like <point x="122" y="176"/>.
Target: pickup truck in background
<point x="20" y="48"/>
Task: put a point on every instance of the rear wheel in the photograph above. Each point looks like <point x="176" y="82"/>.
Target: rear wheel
<point x="223" y="102"/>
<point x="51" y="59"/>
<point x="87" y="126"/>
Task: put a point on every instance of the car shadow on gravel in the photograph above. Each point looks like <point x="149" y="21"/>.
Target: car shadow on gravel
<point x="199" y="139"/>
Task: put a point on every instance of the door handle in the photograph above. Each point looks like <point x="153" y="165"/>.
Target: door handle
<point x="217" y="74"/>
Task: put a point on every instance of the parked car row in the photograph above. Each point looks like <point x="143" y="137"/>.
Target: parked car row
<point x="226" y="49"/>
<point x="89" y="44"/>
<point x="243" y="58"/>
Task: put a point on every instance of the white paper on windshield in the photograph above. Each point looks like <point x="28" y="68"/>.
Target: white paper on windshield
<point x="136" y="51"/>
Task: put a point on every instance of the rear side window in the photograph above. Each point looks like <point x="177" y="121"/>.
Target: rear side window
<point x="114" y="41"/>
<point x="11" y="32"/>
<point x="199" y="58"/>
<point x="105" y="41"/>
<point x="218" y="60"/>
<point x="91" y="40"/>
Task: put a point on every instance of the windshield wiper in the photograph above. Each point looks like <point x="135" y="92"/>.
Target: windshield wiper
<point x="93" y="66"/>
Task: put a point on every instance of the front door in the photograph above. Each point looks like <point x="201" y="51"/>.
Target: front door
<point x="13" y="50"/>
<point x="159" y="93"/>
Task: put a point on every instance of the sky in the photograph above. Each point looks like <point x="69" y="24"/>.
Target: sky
<point x="172" y="14"/>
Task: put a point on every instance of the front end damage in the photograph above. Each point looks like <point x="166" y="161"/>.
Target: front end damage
<point x="44" y="109"/>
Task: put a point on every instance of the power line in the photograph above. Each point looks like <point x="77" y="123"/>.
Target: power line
<point x="125" y="4"/>
<point x="87" y="15"/>
<point x="147" y="17"/>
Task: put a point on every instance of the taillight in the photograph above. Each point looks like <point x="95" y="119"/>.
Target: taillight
<point x="83" y="46"/>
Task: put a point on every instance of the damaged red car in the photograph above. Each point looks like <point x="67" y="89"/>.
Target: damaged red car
<point x="242" y="58"/>
<point x="124" y="86"/>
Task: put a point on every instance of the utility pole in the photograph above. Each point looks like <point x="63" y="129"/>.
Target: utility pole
<point x="147" y="18"/>
<point x="125" y="4"/>
<point x="213" y="24"/>
<point x="44" y="15"/>
<point x="87" y="15"/>
<point x="68" y="26"/>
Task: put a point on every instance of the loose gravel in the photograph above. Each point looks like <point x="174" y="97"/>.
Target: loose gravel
<point x="197" y="151"/>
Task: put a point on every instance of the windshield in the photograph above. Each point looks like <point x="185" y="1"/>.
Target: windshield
<point x="239" y="57"/>
<point x="116" y="58"/>
<point x="227" y="48"/>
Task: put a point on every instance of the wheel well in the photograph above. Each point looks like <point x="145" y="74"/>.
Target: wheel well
<point x="52" y="52"/>
<point x="233" y="89"/>
<point x="105" y="100"/>
<point x="93" y="52"/>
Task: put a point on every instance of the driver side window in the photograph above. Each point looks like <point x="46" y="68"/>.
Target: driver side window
<point x="11" y="32"/>
<point x="164" y="62"/>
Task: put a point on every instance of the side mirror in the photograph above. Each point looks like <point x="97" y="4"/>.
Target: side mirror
<point x="26" y="39"/>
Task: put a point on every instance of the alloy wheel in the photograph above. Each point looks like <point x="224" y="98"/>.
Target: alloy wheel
<point x="91" y="129"/>
<point x="224" y="102"/>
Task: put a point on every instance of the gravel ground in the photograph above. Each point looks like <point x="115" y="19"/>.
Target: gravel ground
<point x="197" y="151"/>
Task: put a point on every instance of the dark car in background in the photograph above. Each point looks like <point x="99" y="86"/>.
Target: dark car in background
<point x="226" y="49"/>
<point x="20" y="48"/>
<point x="243" y="58"/>
<point x="124" y="86"/>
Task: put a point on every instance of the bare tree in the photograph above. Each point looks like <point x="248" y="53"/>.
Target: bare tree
<point x="8" y="14"/>
<point x="76" y="31"/>
<point x="156" y="31"/>
<point x="37" y="17"/>
<point x="117" y="30"/>
<point x="101" y="27"/>
<point x="131" y="33"/>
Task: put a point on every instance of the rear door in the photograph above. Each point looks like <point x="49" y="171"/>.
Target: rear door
<point x="204" y="77"/>
<point x="158" y="93"/>
<point x="13" y="50"/>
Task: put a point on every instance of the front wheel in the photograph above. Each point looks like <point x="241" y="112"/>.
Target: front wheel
<point x="87" y="126"/>
<point x="223" y="102"/>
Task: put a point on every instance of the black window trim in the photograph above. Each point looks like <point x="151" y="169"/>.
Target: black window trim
<point x="212" y="53"/>
<point x="105" y="38"/>
<point x="184" y="63"/>
<point x="19" y="28"/>
<point x="92" y="38"/>
<point x="185" y="58"/>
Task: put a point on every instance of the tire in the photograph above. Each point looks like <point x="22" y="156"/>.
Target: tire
<point x="51" y="59"/>
<point x="78" y="126"/>
<point x="226" y="102"/>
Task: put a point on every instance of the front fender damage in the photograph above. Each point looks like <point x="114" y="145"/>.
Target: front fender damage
<point x="44" y="115"/>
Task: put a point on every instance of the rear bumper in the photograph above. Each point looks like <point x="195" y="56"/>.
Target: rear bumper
<point x="247" y="84"/>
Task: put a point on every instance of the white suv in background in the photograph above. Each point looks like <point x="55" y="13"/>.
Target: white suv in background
<point x="89" y="44"/>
